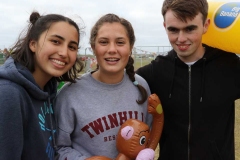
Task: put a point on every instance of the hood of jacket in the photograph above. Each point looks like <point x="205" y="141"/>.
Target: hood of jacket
<point x="210" y="54"/>
<point x="16" y="73"/>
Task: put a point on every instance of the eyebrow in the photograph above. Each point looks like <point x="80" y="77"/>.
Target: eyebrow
<point x="143" y="131"/>
<point x="108" y="38"/>
<point x="190" y="26"/>
<point x="60" y="37"/>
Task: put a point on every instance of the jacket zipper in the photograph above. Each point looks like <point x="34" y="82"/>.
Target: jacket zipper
<point x="189" y="113"/>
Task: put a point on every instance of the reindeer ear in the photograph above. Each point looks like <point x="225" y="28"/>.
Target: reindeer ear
<point x="127" y="132"/>
<point x="33" y="46"/>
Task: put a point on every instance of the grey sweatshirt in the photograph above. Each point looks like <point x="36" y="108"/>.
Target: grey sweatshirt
<point x="90" y="114"/>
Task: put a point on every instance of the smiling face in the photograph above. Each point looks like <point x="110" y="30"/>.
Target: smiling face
<point x="112" y="49"/>
<point x="186" y="37"/>
<point x="55" y="52"/>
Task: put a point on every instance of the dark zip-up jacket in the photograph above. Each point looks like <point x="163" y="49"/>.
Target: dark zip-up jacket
<point x="198" y="103"/>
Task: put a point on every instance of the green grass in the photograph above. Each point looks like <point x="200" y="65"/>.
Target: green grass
<point x="2" y="60"/>
<point x="139" y="62"/>
<point x="237" y="130"/>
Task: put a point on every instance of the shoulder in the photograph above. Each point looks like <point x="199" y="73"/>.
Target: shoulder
<point x="10" y="88"/>
<point x="12" y="96"/>
<point x="140" y="78"/>
<point x="71" y="88"/>
<point x="216" y="53"/>
<point x="213" y="50"/>
<point x="142" y="81"/>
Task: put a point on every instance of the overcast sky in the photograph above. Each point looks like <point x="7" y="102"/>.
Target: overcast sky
<point x="145" y="16"/>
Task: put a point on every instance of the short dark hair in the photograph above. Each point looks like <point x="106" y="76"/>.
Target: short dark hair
<point x="186" y="9"/>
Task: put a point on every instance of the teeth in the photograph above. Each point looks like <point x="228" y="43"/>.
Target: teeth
<point x="111" y="59"/>
<point x="58" y="62"/>
<point x="183" y="47"/>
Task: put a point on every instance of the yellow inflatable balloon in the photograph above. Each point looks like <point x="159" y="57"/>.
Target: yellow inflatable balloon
<point x="224" y="29"/>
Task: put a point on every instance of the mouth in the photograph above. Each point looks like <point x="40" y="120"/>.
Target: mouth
<point x="112" y="59"/>
<point x="58" y="62"/>
<point x="183" y="46"/>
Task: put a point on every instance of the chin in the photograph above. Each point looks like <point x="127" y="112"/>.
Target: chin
<point x="56" y="74"/>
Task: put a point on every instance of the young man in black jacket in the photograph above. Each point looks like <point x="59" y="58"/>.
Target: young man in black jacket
<point x="197" y="85"/>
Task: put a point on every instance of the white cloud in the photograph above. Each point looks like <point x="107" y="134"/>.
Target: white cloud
<point x="145" y="16"/>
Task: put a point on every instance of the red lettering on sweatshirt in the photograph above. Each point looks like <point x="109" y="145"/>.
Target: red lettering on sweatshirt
<point x="97" y="126"/>
<point x="122" y="117"/>
<point x="85" y="129"/>
<point x="110" y="138"/>
<point x="105" y="122"/>
<point x="110" y="121"/>
<point x="113" y="120"/>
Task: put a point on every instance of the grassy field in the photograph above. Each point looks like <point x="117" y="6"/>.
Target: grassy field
<point x="138" y="62"/>
<point x="237" y="130"/>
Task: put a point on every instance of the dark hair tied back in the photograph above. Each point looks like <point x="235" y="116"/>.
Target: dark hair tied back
<point x="34" y="17"/>
<point x="37" y="25"/>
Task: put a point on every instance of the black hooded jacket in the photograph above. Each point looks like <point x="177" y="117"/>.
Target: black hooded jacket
<point x="198" y="104"/>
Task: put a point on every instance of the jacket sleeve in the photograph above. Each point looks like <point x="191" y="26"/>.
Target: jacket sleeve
<point x="11" y="123"/>
<point x="65" y="121"/>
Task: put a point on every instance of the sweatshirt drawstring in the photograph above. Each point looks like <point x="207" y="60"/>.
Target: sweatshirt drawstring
<point x="203" y="80"/>
<point x="171" y="87"/>
<point x="51" y="123"/>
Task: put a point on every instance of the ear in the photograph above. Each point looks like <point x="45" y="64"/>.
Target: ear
<point x="127" y="132"/>
<point x="164" y="24"/>
<point x="93" y="49"/>
<point x="206" y="25"/>
<point x="33" y="46"/>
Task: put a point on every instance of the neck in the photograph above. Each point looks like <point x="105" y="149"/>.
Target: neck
<point x="40" y="80"/>
<point x="108" y="78"/>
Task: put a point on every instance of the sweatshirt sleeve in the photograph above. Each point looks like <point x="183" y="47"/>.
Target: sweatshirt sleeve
<point x="143" y="82"/>
<point x="65" y="149"/>
<point x="11" y="124"/>
<point x="66" y="122"/>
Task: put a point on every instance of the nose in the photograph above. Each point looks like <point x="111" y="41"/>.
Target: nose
<point x="112" y="48"/>
<point x="182" y="36"/>
<point x="63" y="51"/>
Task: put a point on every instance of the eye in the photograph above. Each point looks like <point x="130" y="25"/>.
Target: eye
<point x="173" y="30"/>
<point x="120" y="43"/>
<point x="142" y="140"/>
<point x="73" y="47"/>
<point x="55" y="41"/>
<point x="103" y="42"/>
<point x="189" y="29"/>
